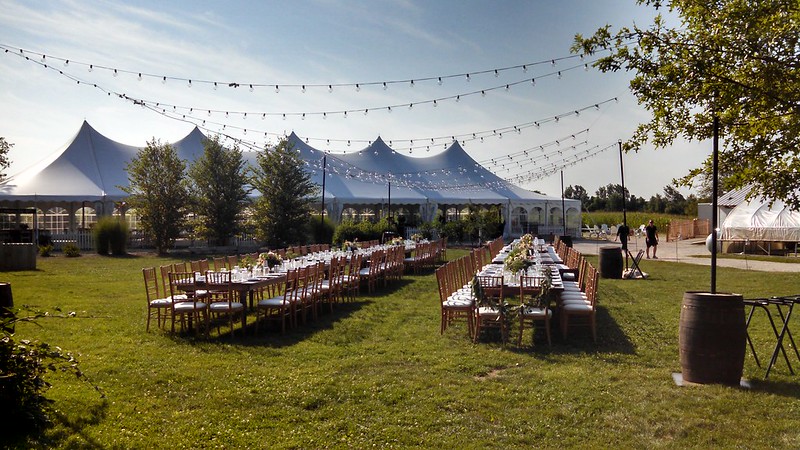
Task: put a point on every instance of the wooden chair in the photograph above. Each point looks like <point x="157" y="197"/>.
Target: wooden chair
<point x="233" y="261"/>
<point x="193" y="308"/>
<point x="582" y="305"/>
<point x="533" y="307"/>
<point x="223" y="300"/>
<point x="221" y="263"/>
<point x="156" y="304"/>
<point x="372" y="272"/>
<point x="454" y="306"/>
<point x="490" y="313"/>
<point x="281" y="307"/>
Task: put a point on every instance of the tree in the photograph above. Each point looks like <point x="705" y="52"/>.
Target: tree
<point x="738" y="60"/>
<point x="282" y="212"/>
<point x="5" y="163"/>
<point x="675" y="201"/>
<point x="217" y="187"/>
<point x="158" y="192"/>
<point x="577" y="192"/>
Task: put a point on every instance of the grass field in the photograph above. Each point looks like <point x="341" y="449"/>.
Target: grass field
<point x="377" y="373"/>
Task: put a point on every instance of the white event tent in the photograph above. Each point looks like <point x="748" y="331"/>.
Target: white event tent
<point x="757" y="220"/>
<point x="83" y="178"/>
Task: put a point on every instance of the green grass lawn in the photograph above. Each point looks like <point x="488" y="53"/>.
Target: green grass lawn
<point x="377" y="373"/>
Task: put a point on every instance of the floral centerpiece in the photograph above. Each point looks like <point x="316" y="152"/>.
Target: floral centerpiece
<point x="515" y="261"/>
<point x="350" y="245"/>
<point x="397" y="241"/>
<point x="525" y="243"/>
<point x="270" y="259"/>
<point x="247" y="262"/>
<point x="416" y="237"/>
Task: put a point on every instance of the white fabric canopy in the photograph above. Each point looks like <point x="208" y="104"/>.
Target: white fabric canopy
<point x="755" y="220"/>
<point x="91" y="168"/>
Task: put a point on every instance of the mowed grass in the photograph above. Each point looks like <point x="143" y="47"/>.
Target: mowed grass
<point x="377" y="373"/>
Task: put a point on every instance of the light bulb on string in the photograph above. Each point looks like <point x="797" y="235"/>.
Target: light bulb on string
<point x="358" y="87"/>
<point x="330" y="88"/>
<point x="163" y="80"/>
<point x="533" y="81"/>
<point x="66" y="61"/>
<point x="435" y="104"/>
<point x="440" y="81"/>
<point x="190" y="83"/>
<point x="385" y="86"/>
<point x="115" y="71"/>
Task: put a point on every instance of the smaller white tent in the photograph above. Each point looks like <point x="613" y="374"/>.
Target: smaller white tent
<point x="756" y="220"/>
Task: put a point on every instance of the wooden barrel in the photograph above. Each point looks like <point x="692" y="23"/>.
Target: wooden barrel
<point x="712" y="338"/>
<point x="5" y="295"/>
<point x="610" y="262"/>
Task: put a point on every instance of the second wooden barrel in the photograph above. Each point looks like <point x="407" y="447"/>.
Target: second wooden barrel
<point x="610" y="262"/>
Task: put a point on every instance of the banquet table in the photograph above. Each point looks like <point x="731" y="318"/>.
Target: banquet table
<point x="246" y="287"/>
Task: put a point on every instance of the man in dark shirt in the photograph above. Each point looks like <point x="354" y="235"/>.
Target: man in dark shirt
<point x="622" y="233"/>
<point x="651" y="238"/>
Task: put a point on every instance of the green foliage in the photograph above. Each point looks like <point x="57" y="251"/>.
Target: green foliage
<point x="45" y="250"/>
<point x="731" y="59"/>
<point x="282" y="211"/>
<point x="321" y="231"/>
<point x="71" y="250"/>
<point x="23" y="365"/>
<point x="365" y="230"/>
<point x="217" y="190"/>
<point x="110" y="234"/>
<point x="5" y="163"/>
<point x="158" y="192"/>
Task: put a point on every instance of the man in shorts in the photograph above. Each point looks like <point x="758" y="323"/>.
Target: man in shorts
<point x="651" y="238"/>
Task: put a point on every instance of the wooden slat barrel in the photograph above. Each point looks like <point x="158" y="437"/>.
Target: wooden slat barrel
<point x="712" y="338"/>
<point x="610" y="262"/>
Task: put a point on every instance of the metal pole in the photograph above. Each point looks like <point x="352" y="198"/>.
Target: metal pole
<point x="563" y="209"/>
<point x="622" y="175"/>
<point x="624" y="206"/>
<point x="714" y="215"/>
<point x="390" y="199"/>
<point x="322" y="209"/>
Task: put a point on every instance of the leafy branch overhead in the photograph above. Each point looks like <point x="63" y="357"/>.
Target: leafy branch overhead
<point x="735" y="59"/>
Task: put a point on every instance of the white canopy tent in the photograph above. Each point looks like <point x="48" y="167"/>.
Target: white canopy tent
<point x="756" y="220"/>
<point x="90" y="169"/>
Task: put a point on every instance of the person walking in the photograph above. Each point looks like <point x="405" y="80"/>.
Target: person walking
<point x="651" y="238"/>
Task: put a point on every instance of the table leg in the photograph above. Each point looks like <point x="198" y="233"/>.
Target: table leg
<point x="779" y="346"/>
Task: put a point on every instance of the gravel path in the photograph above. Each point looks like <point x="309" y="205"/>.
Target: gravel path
<point x="691" y="251"/>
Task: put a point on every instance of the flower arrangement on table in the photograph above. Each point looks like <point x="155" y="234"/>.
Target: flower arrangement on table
<point x="525" y="243"/>
<point x="416" y="237"/>
<point x="516" y="260"/>
<point x="397" y="241"/>
<point x="247" y="262"/>
<point x="269" y="259"/>
<point x="350" y="245"/>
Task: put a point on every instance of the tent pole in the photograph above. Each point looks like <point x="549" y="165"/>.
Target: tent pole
<point x="322" y="200"/>
<point x="714" y="214"/>
<point x="563" y="208"/>
<point x="624" y="207"/>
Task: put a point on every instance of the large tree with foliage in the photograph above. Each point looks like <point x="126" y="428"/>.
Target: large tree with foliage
<point x="158" y="192"/>
<point x="217" y="185"/>
<point x="282" y="212"/>
<point x="5" y="163"/>
<point x="738" y="60"/>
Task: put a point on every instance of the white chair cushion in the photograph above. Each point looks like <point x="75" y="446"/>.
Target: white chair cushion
<point x="161" y="303"/>
<point x="488" y="311"/>
<point x="578" y="307"/>
<point x="274" y="302"/>
<point x="364" y="271"/>
<point x="189" y="306"/>
<point x="532" y="311"/>
<point x="224" y="306"/>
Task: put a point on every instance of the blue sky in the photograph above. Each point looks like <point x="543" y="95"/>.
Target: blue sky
<point x="336" y="42"/>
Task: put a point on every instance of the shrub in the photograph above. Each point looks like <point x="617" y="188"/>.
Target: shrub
<point x="110" y="233"/>
<point x="23" y="365"/>
<point x="71" y="250"/>
<point x="321" y="232"/>
<point x="45" y="250"/>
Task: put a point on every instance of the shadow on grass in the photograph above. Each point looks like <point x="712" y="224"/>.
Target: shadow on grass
<point x="60" y="430"/>
<point x="610" y="337"/>
<point x="780" y="388"/>
<point x="269" y="333"/>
